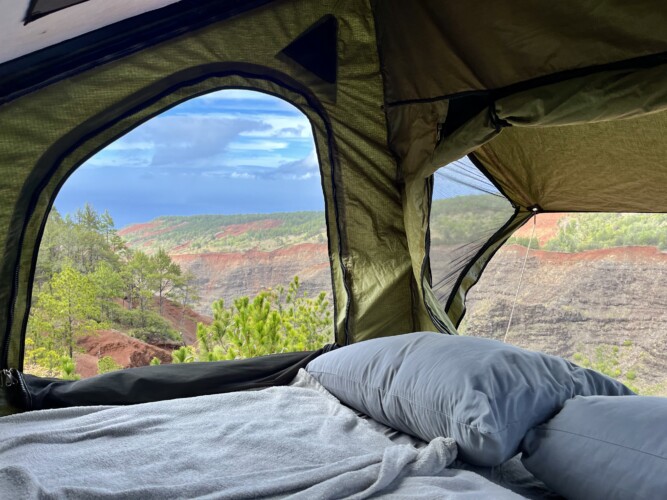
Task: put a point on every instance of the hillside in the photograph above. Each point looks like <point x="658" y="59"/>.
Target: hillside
<point x="593" y="289"/>
<point x="606" y="306"/>
<point x="239" y="255"/>
<point x="593" y="282"/>
<point x="235" y="274"/>
<point x="127" y="351"/>
<point x="226" y="233"/>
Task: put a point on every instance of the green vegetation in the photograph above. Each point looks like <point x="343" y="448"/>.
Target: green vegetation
<point x="580" y="232"/>
<point x="67" y="308"/>
<point x="281" y="320"/>
<point x="106" y="364"/>
<point x="468" y="219"/>
<point x="86" y="280"/>
<point x="525" y="241"/>
<point x="229" y="233"/>
<point x="616" y="362"/>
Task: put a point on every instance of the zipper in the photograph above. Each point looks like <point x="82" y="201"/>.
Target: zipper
<point x="14" y="384"/>
<point x="4" y="354"/>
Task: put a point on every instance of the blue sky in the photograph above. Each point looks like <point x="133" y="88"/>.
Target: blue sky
<point x="228" y="152"/>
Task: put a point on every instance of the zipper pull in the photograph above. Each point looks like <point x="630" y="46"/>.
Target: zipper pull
<point x="16" y="391"/>
<point x="7" y="378"/>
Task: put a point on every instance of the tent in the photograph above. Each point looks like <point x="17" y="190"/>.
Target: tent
<point x="562" y="106"/>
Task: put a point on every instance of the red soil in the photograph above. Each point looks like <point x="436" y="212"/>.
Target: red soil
<point x="123" y="349"/>
<point x="546" y="227"/>
<point x="184" y="322"/>
<point x="134" y="228"/>
<point x="237" y="229"/>
<point x="628" y="254"/>
<point x="231" y="259"/>
<point x="163" y="230"/>
<point x="130" y="352"/>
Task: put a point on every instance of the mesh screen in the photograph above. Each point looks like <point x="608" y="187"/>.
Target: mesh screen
<point x="593" y="291"/>
<point x="467" y="210"/>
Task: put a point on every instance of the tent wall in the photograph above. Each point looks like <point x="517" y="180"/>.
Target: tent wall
<point x="50" y="132"/>
<point x="563" y="106"/>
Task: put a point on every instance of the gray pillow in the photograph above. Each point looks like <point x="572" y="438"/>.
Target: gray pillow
<point x="601" y="447"/>
<point x="483" y="393"/>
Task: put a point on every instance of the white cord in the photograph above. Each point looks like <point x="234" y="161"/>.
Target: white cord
<point x="523" y="269"/>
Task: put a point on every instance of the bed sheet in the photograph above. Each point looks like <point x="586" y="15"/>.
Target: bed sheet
<point x="282" y="442"/>
<point x="511" y="475"/>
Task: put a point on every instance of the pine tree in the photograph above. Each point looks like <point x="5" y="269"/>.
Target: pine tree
<point x="68" y="309"/>
<point x="274" y="321"/>
<point x="164" y="275"/>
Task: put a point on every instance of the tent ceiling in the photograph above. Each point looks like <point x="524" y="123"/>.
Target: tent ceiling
<point x="17" y="39"/>
<point x="564" y="168"/>
<point x="458" y="46"/>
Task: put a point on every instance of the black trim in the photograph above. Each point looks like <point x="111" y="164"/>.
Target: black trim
<point x="90" y="128"/>
<point x="496" y="237"/>
<point x="41" y="8"/>
<point x="316" y="49"/>
<point x="461" y="109"/>
<point x="51" y="64"/>
<point x="480" y="166"/>
<point x="490" y="95"/>
<point x="15" y="390"/>
<point x="426" y="263"/>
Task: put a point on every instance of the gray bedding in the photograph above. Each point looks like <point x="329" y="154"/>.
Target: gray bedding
<point x="296" y="442"/>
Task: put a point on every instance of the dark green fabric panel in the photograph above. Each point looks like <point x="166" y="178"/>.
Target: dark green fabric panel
<point x="586" y="144"/>
<point x="369" y="257"/>
<point x="594" y="145"/>
<point x="605" y="96"/>
<point x="435" y="48"/>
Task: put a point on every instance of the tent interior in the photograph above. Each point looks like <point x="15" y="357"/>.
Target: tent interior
<point x="558" y="108"/>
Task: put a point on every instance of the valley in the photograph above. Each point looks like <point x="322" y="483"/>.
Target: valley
<point x="601" y="305"/>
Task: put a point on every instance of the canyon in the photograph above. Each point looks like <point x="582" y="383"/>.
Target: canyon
<point x="605" y="305"/>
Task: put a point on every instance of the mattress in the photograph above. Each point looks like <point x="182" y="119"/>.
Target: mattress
<point x="283" y="442"/>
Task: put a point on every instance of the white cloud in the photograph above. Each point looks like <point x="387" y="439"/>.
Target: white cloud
<point x="276" y="125"/>
<point x="260" y="145"/>
<point x="179" y="140"/>
<point x="238" y="94"/>
<point x="123" y="144"/>
<point x="242" y="175"/>
<point x="305" y="168"/>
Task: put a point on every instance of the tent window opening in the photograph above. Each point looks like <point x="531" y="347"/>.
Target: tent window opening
<point x="198" y="236"/>
<point x="592" y="291"/>
<point x="466" y="211"/>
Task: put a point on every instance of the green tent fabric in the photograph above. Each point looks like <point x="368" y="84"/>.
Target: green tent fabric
<point x="563" y="106"/>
